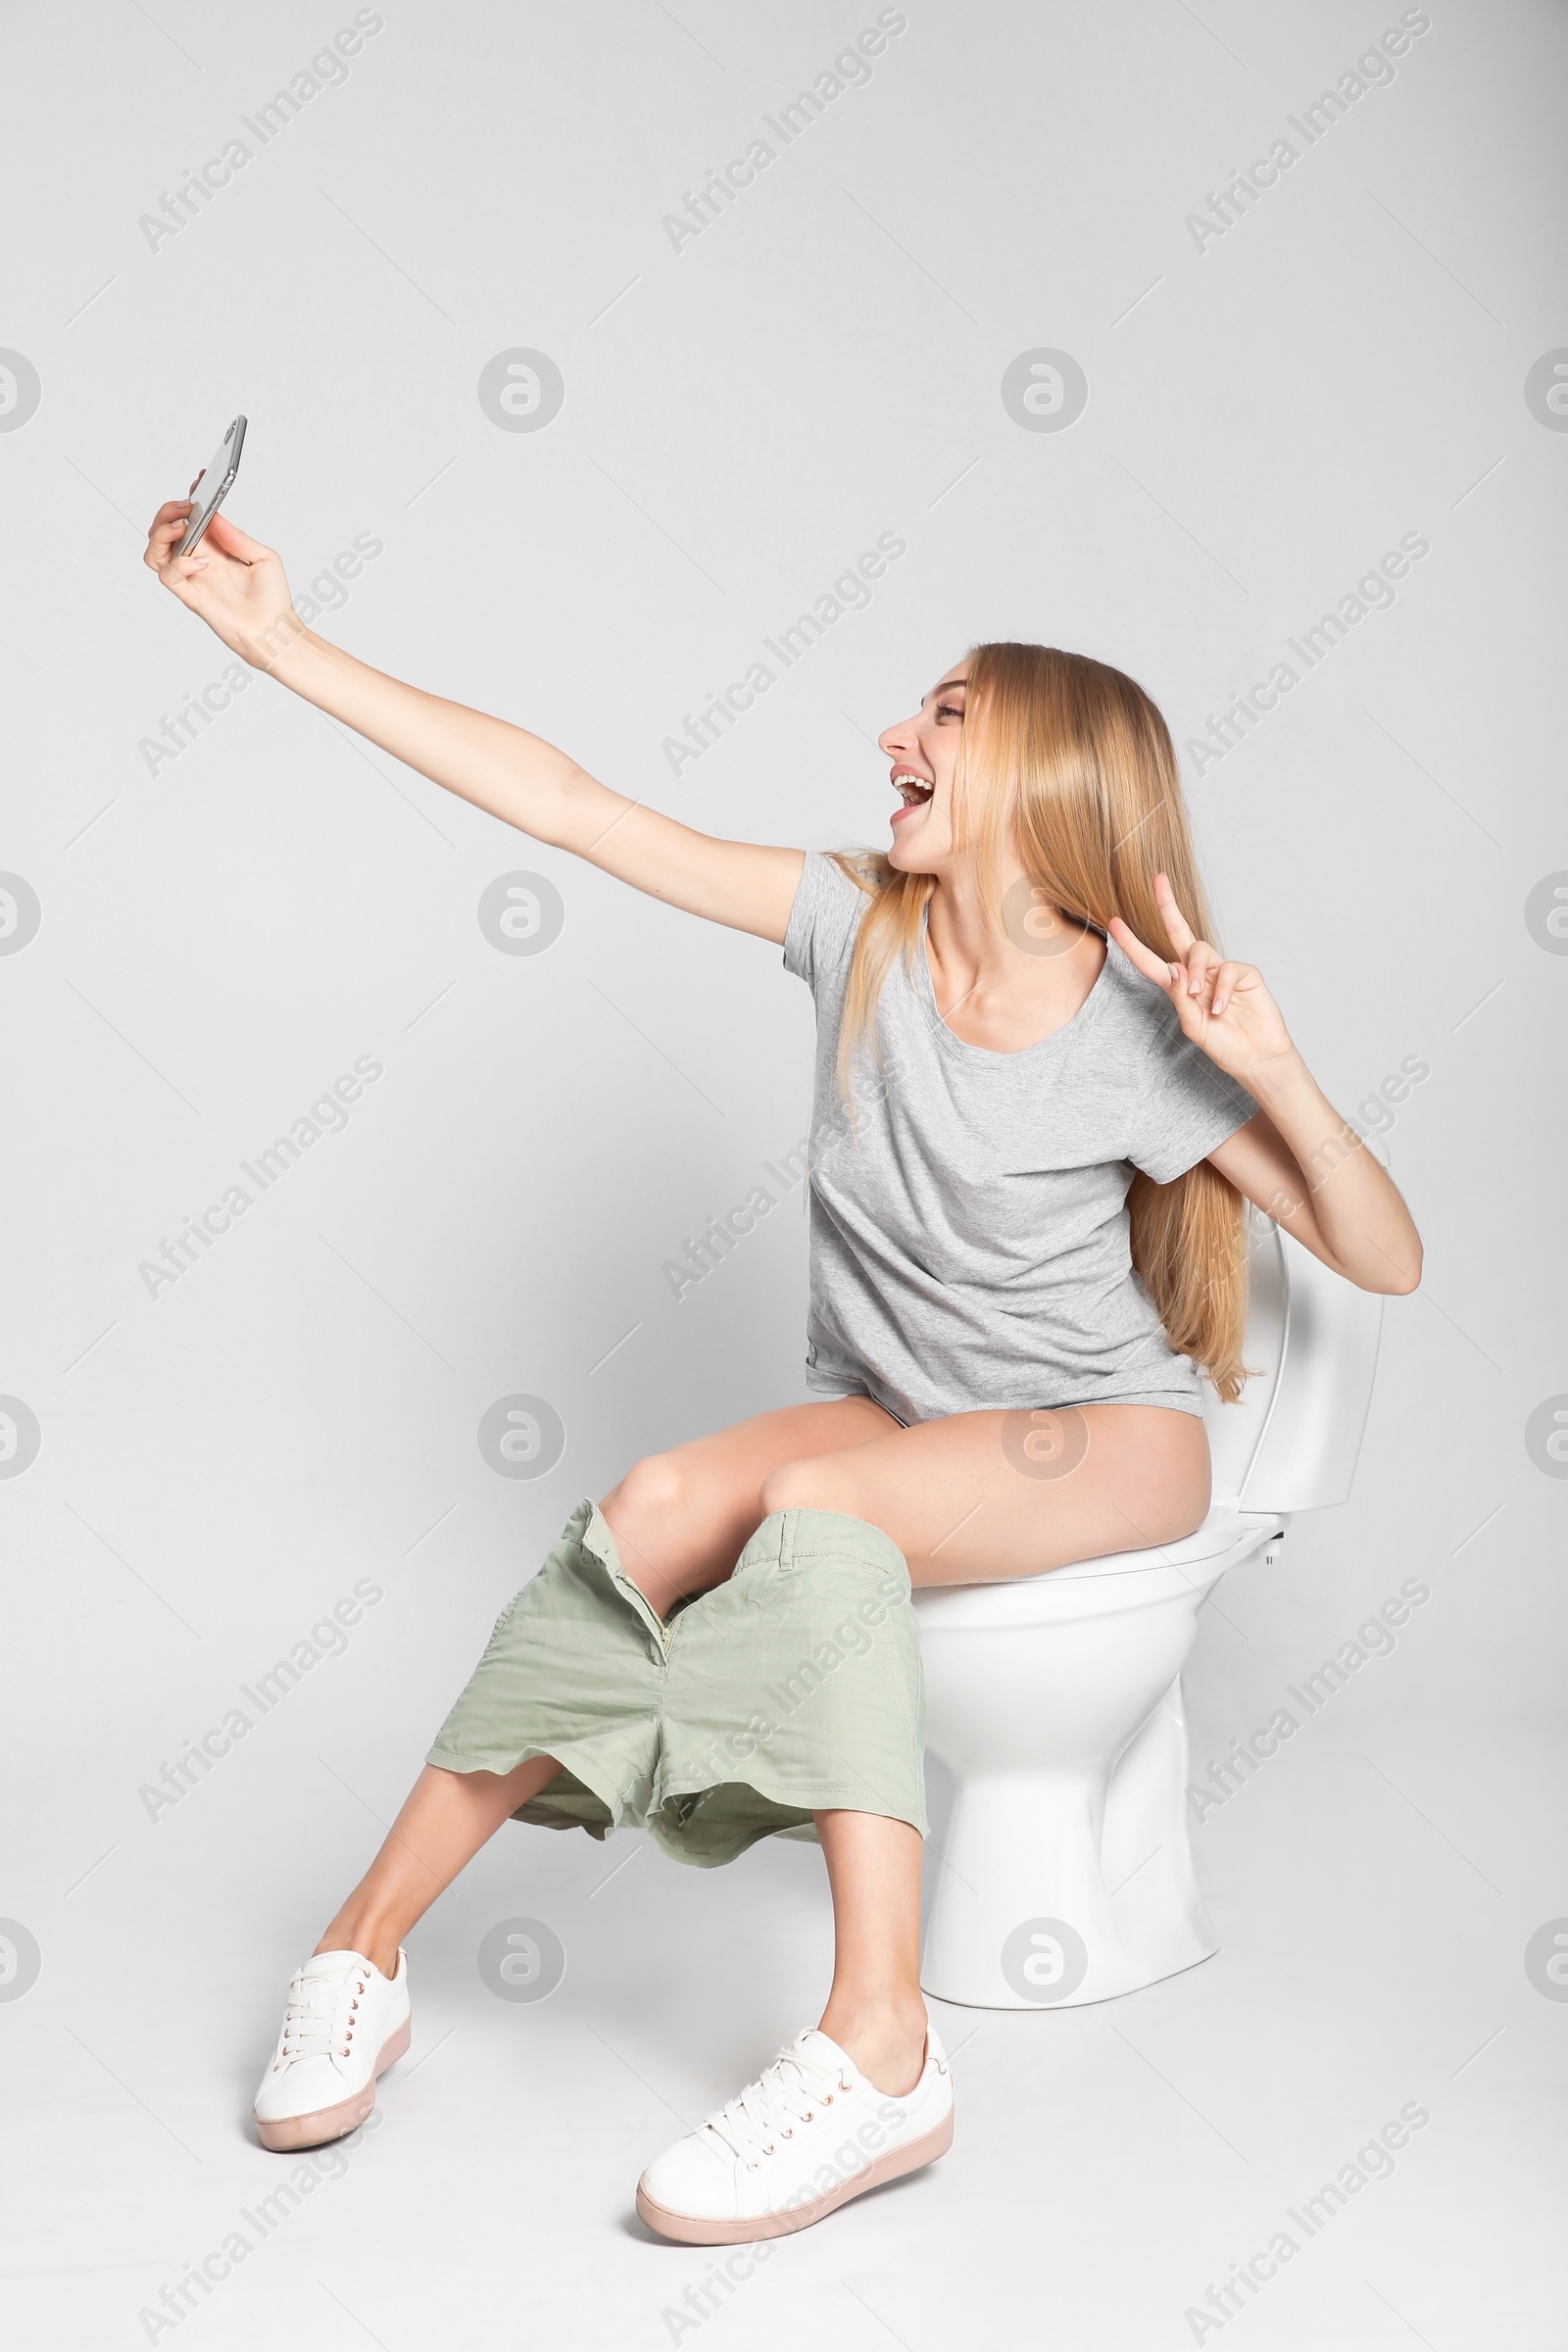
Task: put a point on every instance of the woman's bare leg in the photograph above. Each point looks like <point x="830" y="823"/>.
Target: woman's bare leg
<point x="446" y="1817"/>
<point x="681" y="1522"/>
<point x="875" y="2010"/>
<point x="980" y="1497"/>
<point x="974" y="1496"/>
<point x="682" y="1519"/>
<point x="962" y="1498"/>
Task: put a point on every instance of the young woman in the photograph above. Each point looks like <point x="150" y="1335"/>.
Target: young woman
<point x="1042" y="1098"/>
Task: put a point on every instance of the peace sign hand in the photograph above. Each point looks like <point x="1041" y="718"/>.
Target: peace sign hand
<point x="1223" y="1008"/>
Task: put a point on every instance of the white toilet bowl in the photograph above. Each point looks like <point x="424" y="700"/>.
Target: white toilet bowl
<point x="1065" y="1872"/>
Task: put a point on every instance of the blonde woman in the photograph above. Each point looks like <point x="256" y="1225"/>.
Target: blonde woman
<point x="1042" y="1098"/>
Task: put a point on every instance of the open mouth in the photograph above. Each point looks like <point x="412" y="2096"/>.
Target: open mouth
<point x="916" y="790"/>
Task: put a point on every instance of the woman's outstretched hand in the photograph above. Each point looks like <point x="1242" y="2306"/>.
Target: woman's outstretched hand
<point x="231" y="582"/>
<point x="1224" y="1007"/>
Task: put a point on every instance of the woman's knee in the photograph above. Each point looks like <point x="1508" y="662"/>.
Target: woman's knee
<point x="819" y="1483"/>
<point x="651" y="1499"/>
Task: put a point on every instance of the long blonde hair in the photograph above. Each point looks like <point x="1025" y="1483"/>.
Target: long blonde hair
<point x="1071" y="759"/>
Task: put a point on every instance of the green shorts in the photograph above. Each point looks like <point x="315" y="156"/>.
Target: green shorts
<point x="794" y="1686"/>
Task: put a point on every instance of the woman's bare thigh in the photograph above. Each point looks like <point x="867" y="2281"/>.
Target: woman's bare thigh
<point x="979" y="1497"/>
<point x="972" y="1498"/>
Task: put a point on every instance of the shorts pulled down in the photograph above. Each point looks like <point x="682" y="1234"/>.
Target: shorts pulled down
<point x="794" y="1686"/>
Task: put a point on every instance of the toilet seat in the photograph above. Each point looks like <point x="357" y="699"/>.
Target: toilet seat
<point x="1227" y="1537"/>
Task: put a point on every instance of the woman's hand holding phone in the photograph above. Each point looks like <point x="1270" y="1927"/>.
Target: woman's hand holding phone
<point x="236" y="585"/>
<point x="231" y="582"/>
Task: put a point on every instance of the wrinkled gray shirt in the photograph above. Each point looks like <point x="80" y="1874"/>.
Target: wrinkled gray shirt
<point x="969" y="1236"/>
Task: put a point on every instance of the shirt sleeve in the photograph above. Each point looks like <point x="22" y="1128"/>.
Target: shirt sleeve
<point x="823" y="920"/>
<point x="1190" y="1105"/>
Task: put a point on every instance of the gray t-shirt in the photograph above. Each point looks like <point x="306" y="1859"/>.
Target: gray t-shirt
<point x="969" y="1234"/>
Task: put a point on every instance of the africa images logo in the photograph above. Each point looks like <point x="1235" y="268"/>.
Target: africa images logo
<point x="522" y="390"/>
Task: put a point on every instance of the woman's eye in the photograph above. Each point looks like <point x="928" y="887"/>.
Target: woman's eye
<point x="950" y="711"/>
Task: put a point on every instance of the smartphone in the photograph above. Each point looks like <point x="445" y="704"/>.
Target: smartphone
<point x="213" y="486"/>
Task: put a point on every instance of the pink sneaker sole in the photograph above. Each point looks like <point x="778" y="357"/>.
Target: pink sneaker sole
<point x="691" y="2231"/>
<point x="332" y="2123"/>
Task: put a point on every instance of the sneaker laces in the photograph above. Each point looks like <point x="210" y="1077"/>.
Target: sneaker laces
<point x="789" y="2091"/>
<point x="315" y="2013"/>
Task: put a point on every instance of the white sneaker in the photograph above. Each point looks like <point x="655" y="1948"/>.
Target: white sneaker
<point x="345" y="2024"/>
<point x="808" y="2137"/>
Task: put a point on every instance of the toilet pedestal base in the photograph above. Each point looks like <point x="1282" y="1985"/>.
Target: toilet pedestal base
<point x="1060" y="1887"/>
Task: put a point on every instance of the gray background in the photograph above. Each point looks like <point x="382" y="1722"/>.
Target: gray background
<point x="221" y="939"/>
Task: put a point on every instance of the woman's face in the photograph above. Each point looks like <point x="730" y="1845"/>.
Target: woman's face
<point x="924" y="752"/>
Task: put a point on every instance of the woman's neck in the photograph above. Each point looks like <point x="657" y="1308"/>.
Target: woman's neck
<point x="1007" y="989"/>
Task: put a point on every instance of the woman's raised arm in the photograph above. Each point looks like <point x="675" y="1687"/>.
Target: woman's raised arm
<point x="238" y="588"/>
<point x="1298" y="1159"/>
